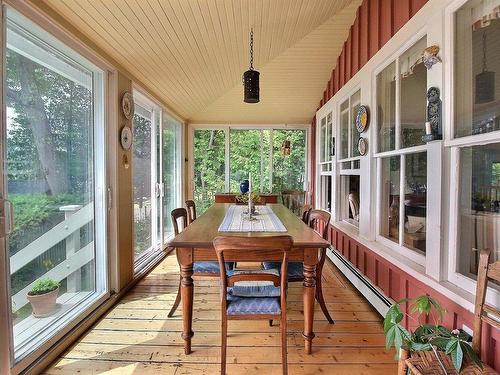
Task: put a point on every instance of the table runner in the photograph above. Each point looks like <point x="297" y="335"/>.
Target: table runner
<point x="266" y="220"/>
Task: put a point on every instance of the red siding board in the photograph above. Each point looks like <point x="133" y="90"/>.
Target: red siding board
<point x="415" y="6"/>
<point x="397" y="284"/>
<point x="373" y="20"/>
<point x="348" y="58"/>
<point x="386" y="26"/>
<point x="401" y="13"/>
<point x="355" y="46"/>
<point x="342" y="68"/>
<point x="336" y="82"/>
<point x="363" y="33"/>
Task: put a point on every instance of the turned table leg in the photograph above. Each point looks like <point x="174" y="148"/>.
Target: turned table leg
<point x="187" y="288"/>
<point x="309" y="299"/>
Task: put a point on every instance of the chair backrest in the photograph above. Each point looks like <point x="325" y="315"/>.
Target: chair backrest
<point x="482" y="311"/>
<point x="354" y="205"/>
<point x="191" y="210"/>
<point x="293" y="199"/>
<point x="246" y="249"/>
<point x="306" y="210"/>
<point x="319" y="221"/>
<point x="178" y="213"/>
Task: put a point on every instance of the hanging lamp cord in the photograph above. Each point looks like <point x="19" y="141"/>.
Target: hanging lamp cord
<point x="251" y="48"/>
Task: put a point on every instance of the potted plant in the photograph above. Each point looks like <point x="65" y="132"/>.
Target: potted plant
<point x="430" y="336"/>
<point x="43" y="296"/>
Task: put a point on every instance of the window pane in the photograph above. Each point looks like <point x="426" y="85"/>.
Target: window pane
<point x="355" y="104"/>
<point x="344" y="130"/>
<point x="415" y="201"/>
<point x="326" y="193"/>
<point x="390" y="172"/>
<point x="51" y="152"/>
<point x="289" y="171"/>
<point x="142" y="174"/>
<point x="249" y="152"/>
<point x="413" y="95"/>
<point x="386" y="108"/>
<point x="209" y="167"/>
<point x="349" y="199"/>
<point x="479" y="203"/>
<point x="477" y="68"/>
<point x="171" y="171"/>
<point x="323" y="141"/>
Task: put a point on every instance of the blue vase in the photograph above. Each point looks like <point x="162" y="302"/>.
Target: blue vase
<point x="244" y="185"/>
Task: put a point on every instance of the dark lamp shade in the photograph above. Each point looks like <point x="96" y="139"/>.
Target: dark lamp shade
<point x="251" y="84"/>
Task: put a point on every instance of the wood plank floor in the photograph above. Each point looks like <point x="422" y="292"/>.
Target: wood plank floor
<point x="136" y="337"/>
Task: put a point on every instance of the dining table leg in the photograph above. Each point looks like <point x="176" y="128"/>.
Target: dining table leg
<point x="185" y="257"/>
<point x="310" y="261"/>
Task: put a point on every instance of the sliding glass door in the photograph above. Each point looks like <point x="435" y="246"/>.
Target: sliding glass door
<point x="54" y="183"/>
<point x="156" y="177"/>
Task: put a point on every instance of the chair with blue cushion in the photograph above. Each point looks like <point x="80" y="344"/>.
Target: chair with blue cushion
<point x="199" y="268"/>
<point x="319" y="221"/>
<point x="253" y="294"/>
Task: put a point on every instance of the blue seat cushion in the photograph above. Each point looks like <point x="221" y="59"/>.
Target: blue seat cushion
<point x="253" y="288"/>
<point x="210" y="267"/>
<point x="295" y="269"/>
<point x="253" y="306"/>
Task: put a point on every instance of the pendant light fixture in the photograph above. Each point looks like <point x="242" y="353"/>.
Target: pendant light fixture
<point x="485" y="81"/>
<point x="251" y="79"/>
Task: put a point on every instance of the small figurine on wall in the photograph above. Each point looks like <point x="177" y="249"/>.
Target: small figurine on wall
<point x="433" y="129"/>
<point x="430" y="56"/>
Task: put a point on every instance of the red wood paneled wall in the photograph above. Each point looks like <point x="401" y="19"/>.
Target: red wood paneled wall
<point x="397" y="285"/>
<point x="376" y="22"/>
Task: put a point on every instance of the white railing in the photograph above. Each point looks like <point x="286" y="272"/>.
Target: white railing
<point x="76" y="257"/>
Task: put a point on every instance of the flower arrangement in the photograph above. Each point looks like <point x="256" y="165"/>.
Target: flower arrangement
<point x="427" y="337"/>
<point x="243" y="198"/>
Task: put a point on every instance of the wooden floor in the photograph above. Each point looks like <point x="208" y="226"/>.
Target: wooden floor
<point x="136" y="337"/>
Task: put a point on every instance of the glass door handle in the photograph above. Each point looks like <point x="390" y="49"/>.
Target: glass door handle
<point x="6" y="218"/>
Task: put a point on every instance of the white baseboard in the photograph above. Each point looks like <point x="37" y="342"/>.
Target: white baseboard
<point x="372" y="293"/>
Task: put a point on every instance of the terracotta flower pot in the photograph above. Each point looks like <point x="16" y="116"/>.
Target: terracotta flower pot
<point x="43" y="304"/>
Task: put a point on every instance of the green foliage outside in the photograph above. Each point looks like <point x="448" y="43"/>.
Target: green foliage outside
<point x="255" y="151"/>
<point x="43" y="286"/>
<point x="427" y="337"/>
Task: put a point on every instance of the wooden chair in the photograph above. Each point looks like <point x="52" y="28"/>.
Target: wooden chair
<point x="294" y="199"/>
<point x="426" y="362"/>
<point x="199" y="268"/>
<point x="253" y="294"/>
<point x="306" y="211"/>
<point x="191" y="210"/>
<point x="319" y="221"/>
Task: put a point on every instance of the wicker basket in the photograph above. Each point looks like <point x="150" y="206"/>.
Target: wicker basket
<point x="425" y="363"/>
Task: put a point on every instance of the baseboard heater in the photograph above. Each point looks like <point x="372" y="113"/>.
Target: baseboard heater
<point x="373" y="294"/>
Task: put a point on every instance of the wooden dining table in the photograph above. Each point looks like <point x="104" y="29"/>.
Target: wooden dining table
<point x="195" y="243"/>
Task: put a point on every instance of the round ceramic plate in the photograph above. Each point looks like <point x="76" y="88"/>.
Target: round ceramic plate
<point x="362" y="119"/>
<point x="126" y="137"/>
<point x="128" y="105"/>
<point x="362" y="146"/>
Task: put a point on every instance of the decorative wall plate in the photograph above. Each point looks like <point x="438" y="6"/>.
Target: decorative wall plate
<point x="126" y="137"/>
<point x="128" y="105"/>
<point x="362" y="146"/>
<point x="362" y="118"/>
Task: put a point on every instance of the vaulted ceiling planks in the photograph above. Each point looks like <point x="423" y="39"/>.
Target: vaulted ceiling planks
<point x="192" y="53"/>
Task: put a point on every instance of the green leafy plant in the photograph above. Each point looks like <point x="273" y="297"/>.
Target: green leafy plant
<point x="427" y="337"/>
<point x="43" y="286"/>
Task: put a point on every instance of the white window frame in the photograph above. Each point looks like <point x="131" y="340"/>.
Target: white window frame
<point x="431" y="231"/>
<point x="320" y="194"/>
<point x="68" y="45"/>
<point x="350" y="129"/>
<point x="453" y="146"/>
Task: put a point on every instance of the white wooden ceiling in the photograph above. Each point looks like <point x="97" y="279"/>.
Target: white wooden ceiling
<point x="192" y="53"/>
